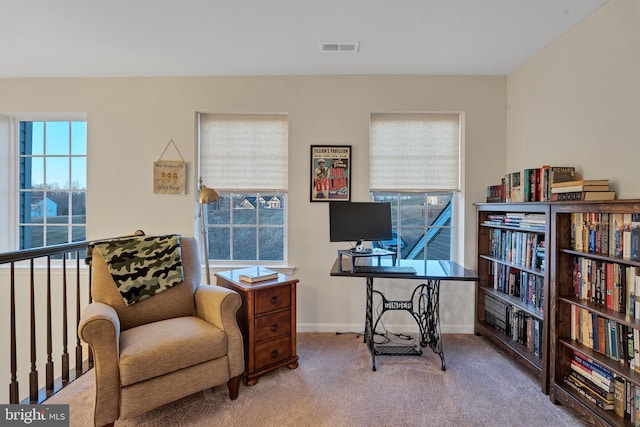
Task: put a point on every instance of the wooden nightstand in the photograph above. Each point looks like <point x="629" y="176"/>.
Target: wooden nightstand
<point x="267" y="319"/>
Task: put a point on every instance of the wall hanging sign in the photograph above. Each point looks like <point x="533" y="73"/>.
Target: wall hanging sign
<point x="169" y="176"/>
<point x="330" y="173"/>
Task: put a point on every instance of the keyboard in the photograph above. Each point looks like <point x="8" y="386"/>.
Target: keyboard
<point x="384" y="269"/>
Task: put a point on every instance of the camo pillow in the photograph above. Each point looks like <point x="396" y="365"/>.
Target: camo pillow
<point x="143" y="266"/>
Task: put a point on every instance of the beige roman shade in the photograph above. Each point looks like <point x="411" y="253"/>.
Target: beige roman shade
<point x="244" y="151"/>
<point x="414" y="152"/>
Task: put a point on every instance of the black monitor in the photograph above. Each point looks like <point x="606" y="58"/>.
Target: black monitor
<point x="359" y="222"/>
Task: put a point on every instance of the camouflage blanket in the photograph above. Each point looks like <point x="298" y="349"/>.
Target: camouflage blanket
<point x="143" y="266"/>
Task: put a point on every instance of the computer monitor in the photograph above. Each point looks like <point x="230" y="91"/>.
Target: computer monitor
<point x="359" y="222"/>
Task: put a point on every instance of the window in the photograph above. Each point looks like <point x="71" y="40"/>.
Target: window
<point x="245" y="158"/>
<point x="415" y="165"/>
<point x="52" y="182"/>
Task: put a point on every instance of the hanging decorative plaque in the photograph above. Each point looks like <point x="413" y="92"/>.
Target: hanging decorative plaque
<point x="169" y="176"/>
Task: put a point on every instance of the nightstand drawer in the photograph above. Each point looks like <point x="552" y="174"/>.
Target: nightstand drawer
<point x="273" y="325"/>
<point x="270" y="352"/>
<point x="272" y="299"/>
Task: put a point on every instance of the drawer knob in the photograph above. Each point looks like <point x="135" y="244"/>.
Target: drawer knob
<point x="274" y="353"/>
<point x="274" y="299"/>
<point x="274" y="327"/>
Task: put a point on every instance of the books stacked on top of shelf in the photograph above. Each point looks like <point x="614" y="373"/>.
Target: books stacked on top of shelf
<point x="535" y="184"/>
<point x="586" y="189"/>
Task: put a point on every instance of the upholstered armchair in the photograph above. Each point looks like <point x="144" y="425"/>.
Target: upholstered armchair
<point x="164" y="346"/>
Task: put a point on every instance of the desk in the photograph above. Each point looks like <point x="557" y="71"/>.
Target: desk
<point x="424" y="304"/>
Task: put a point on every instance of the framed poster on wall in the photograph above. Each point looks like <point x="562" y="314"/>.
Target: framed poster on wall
<point x="330" y="173"/>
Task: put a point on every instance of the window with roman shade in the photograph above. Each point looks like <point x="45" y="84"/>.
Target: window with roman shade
<point x="245" y="158"/>
<point x="414" y="163"/>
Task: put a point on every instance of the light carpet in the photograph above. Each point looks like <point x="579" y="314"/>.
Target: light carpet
<point x="335" y="386"/>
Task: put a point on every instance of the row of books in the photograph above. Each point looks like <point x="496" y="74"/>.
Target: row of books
<point x="516" y="324"/>
<point x="608" y="284"/>
<point x="527" y="286"/>
<point x="548" y="183"/>
<point x="534" y="184"/>
<point x="602" y="387"/>
<point x="609" y="234"/>
<point x="612" y="339"/>
<point x="518" y="247"/>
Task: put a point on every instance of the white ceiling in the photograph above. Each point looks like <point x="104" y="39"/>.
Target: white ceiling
<point x="78" y="38"/>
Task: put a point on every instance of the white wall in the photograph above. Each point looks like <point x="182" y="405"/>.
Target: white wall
<point x="131" y="120"/>
<point x="577" y="103"/>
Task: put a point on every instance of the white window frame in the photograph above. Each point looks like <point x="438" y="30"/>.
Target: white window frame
<point x="9" y="161"/>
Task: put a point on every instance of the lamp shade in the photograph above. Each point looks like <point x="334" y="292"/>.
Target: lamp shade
<point x="207" y="195"/>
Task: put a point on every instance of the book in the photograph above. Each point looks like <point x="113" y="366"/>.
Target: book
<point x="580" y="182"/>
<point x="561" y="174"/>
<point x="256" y="274"/>
<point x="573" y="188"/>
<point x="554" y="174"/>
<point x="635" y="237"/>
<point x="543" y="178"/>
<point x="516" y="187"/>
<point x="583" y="195"/>
<point x="619" y="399"/>
<point x="637" y="405"/>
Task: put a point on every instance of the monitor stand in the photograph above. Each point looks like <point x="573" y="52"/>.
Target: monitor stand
<point x="352" y="254"/>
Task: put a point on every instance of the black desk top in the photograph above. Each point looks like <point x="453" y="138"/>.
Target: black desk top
<point x="425" y="270"/>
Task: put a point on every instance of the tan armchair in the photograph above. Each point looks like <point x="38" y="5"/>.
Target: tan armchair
<point x="168" y="346"/>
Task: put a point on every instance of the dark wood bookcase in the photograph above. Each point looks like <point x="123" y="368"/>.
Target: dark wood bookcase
<point x="569" y="252"/>
<point x="505" y="277"/>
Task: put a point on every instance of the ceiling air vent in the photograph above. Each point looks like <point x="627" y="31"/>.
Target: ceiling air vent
<point x="343" y="47"/>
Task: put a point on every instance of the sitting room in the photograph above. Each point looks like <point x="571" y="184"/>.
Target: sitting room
<point x="236" y="128"/>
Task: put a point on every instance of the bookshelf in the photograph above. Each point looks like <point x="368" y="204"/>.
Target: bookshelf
<point x="593" y="280"/>
<point x="512" y="295"/>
